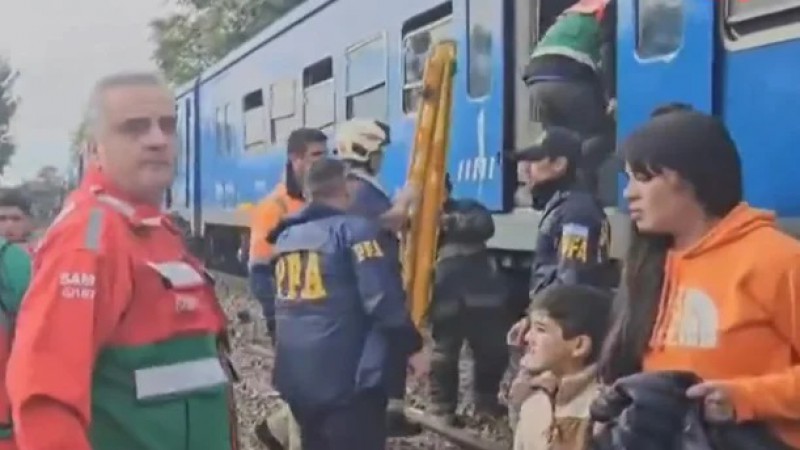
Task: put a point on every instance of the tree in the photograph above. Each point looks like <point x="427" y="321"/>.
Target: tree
<point x="8" y="106"/>
<point x="78" y="139"/>
<point x="203" y="31"/>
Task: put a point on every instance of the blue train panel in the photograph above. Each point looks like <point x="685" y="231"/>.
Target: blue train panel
<point x="734" y="58"/>
<point x="760" y="93"/>
<point x="313" y="69"/>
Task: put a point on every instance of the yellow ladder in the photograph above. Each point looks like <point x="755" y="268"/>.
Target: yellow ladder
<point x="426" y="174"/>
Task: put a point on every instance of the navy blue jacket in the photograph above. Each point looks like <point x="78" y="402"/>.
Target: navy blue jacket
<point x="370" y="200"/>
<point x="466" y="276"/>
<point x="340" y="308"/>
<point x="573" y="243"/>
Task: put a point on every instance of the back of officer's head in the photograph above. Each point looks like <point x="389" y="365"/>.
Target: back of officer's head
<point x="326" y="182"/>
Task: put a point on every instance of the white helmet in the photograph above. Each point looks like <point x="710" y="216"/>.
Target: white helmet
<point x="357" y="139"/>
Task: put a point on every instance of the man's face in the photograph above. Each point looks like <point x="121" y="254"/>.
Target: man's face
<point x="301" y="163"/>
<point x="15" y="225"/>
<point x="534" y="173"/>
<point x="136" y="140"/>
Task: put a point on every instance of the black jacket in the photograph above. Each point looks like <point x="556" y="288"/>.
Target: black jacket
<point x="650" y="411"/>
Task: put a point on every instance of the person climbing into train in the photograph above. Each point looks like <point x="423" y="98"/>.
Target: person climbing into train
<point x="710" y="284"/>
<point x="341" y="313"/>
<point x="574" y="235"/>
<point x="304" y="146"/>
<point x="16" y="218"/>
<point x="360" y="143"/>
<point x="571" y="76"/>
<point x="469" y="302"/>
<point x="557" y="380"/>
<point x="120" y="342"/>
<point x="15" y="275"/>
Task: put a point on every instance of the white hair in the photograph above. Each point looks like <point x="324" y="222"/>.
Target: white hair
<point x="95" y="108"/>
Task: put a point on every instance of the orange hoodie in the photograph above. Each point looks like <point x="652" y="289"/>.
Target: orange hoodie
<point x="730" y="311"/>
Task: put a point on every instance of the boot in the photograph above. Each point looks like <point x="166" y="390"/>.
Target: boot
<point x="488" y="405"/>
<point x="271" y="330"/>
<point x="265" y="436"/>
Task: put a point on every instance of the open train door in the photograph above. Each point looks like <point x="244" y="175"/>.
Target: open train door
<point x="427" y="175"/>
<point x="665" y="54"/>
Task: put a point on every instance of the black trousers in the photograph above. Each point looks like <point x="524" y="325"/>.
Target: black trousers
<point x="581" y="107"/>
<point x="484" y="329"/>
<point x="359" y="425"/>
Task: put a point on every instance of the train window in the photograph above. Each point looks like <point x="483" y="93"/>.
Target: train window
<point x="223" y="129"/>
<point x="762" y="22"/>
<point x="318" y="94"/>
<point x="479" y="76"/>
<point x="659" y="27"/>
<point x="368" y="104"/>
<point x="255" y="127"/>
<point x="422" y="33"/>
<point x="740" y="11"/>
<point x="228" y="130"/>
<point x="282" y="110"/>
<point x="220" y="129"/>
<point x="366" y="80"/>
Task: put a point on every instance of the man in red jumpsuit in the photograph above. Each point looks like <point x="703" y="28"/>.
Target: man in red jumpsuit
<point x="118" y="341"/>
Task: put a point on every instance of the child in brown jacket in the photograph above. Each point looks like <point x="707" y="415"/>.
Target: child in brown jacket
<point x="557" y="380"/>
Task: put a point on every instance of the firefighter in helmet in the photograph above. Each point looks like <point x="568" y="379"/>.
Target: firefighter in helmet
<point x="361" y="143"/>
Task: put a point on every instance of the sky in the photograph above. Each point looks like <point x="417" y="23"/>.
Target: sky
<point x="61" y="47"/>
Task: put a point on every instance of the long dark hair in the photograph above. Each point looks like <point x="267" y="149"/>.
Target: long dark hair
<point x="700" y="150"/>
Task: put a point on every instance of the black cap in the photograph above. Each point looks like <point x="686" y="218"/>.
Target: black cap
<point x="553" y="142"/>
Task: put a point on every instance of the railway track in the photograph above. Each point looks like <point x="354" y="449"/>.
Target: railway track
<point x="253" y="359"/>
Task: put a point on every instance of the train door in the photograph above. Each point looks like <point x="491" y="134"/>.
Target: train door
<point x="194" y="195"/>
<point x="186" y="158"/>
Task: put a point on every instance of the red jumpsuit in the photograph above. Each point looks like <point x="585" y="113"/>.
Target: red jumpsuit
<point x="116" y="309"/>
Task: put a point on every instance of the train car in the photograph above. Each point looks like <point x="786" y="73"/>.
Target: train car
<point x="330" y="60"/>
<point x="737" y="59"/>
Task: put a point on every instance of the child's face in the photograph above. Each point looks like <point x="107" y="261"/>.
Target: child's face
<point x="15" y="225"/>
<point x="548" y="350"/>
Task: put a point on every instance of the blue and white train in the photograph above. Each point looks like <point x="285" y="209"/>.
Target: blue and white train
<point x="331" y="60"/>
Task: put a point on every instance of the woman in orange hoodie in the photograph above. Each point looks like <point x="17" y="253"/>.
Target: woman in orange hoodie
<point x="710" y="284"/>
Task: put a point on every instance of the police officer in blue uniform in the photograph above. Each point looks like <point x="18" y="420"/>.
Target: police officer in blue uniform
<point x="574" y="235"/>
<point x="360" y="143"/>
<point x="341" y="315"/>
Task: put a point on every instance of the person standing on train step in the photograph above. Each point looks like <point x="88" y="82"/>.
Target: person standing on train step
<point x="469" y="302"/>
<point x="305" y="145"/>
<point x="341" y="314"/>
<point x="15" y="274"/>
<point x="574" y="235"/>
<point x="16" y="219"/>
<point x="571" y="75"/>
<point x="360" y="143"/>
<point x="120" y="340"/>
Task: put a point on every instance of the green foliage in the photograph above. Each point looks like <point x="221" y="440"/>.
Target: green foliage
<point x="77" y="139"/>
<point x="203" y="31"/>
<point x="8" y="106"/>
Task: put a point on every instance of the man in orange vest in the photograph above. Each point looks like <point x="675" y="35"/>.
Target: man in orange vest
<point x="305" y="145"/>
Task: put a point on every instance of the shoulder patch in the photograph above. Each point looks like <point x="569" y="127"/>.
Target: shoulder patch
<point x="574" y="242"/>
<point x="368" y="249"/>
<point x="575" y="229"/>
